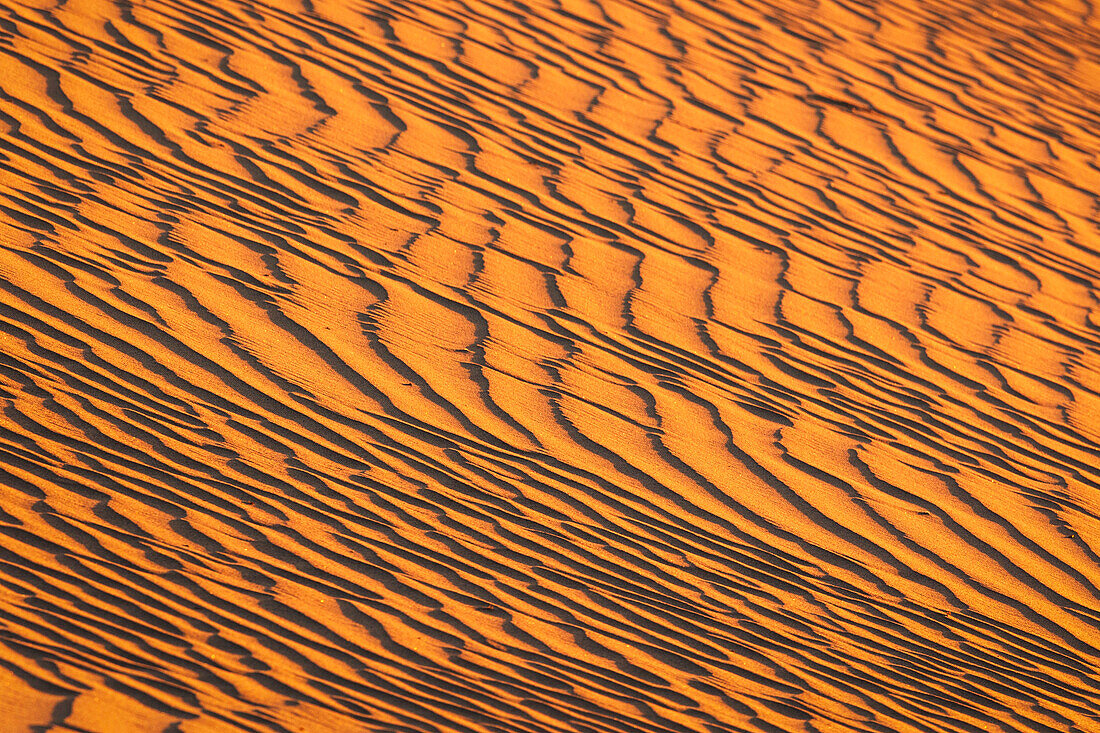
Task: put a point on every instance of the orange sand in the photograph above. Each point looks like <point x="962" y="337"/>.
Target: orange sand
<point x="552" y="366"/>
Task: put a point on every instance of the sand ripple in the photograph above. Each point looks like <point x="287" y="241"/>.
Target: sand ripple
<point x="640" y="366"/>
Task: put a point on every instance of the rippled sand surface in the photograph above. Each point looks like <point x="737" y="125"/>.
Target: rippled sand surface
<point x="553" y="366"/>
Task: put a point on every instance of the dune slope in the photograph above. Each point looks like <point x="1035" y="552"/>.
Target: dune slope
<point x="632" y="365"/>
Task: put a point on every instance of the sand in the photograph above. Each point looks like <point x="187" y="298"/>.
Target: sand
<point x="498" y="366"/>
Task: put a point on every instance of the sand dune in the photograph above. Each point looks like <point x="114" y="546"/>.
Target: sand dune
<point x="553" y="366"/>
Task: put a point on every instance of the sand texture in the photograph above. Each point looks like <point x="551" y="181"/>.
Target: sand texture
<point x="549" y="366"/>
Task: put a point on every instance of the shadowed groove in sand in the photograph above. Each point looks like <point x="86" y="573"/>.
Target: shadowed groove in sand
<point x="562" y="366"/>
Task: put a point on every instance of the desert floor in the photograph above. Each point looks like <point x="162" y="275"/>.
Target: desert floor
<point x="490" y="366"/>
